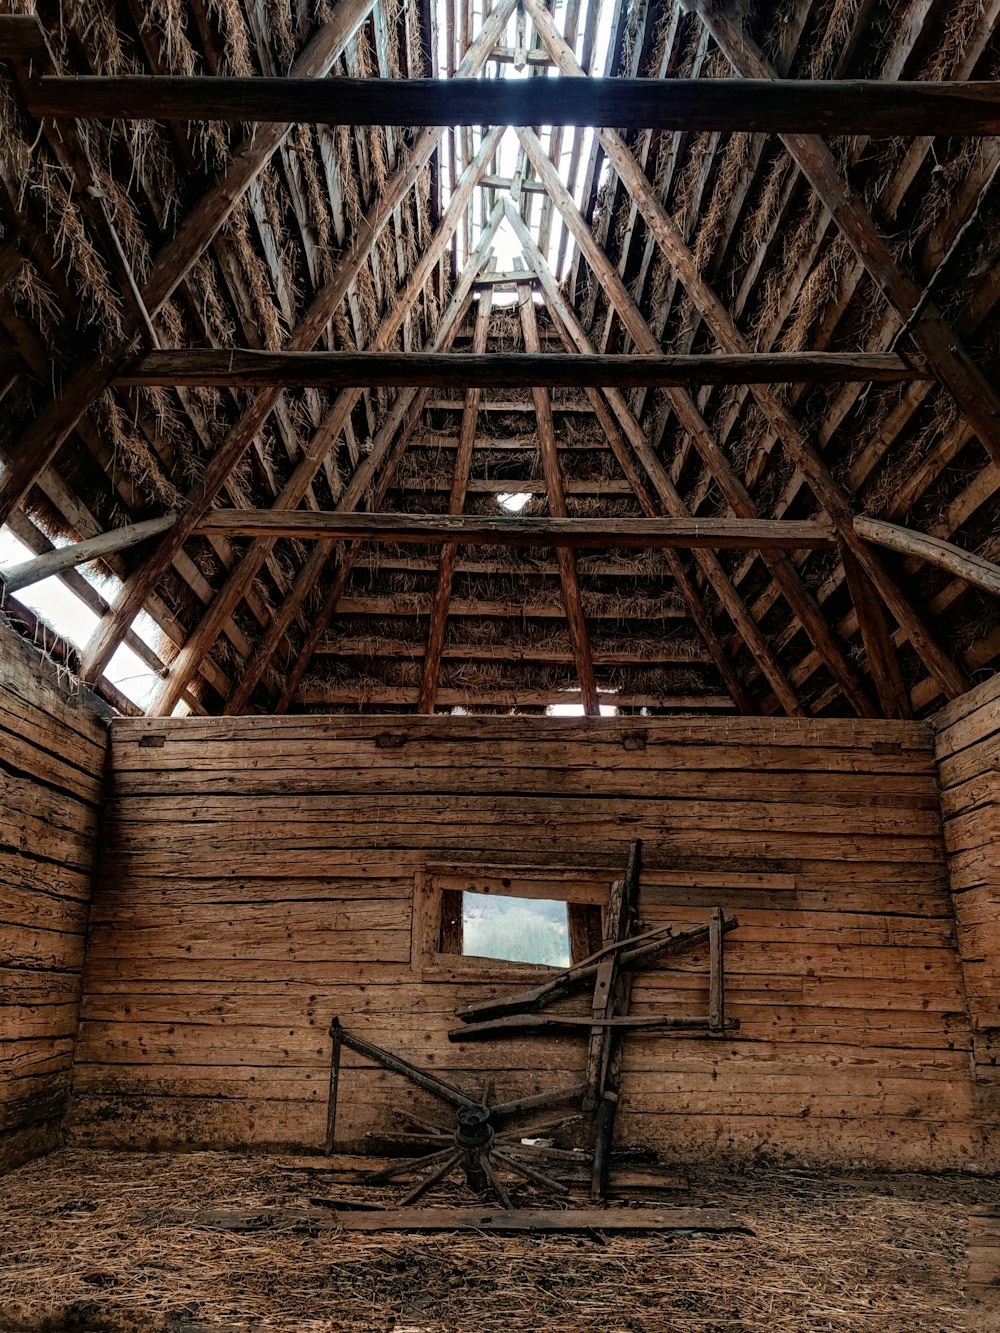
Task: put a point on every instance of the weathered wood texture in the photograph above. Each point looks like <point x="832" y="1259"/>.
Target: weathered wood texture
<point x="261" y="876"/>
<point x="52" y="748"/>
<point x="968" y="756"/>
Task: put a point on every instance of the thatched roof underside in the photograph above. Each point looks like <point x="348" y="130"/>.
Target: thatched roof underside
<point x="240" y="627"/>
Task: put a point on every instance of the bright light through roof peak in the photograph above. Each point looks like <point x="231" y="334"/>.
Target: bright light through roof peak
<point x="570" y="149"/>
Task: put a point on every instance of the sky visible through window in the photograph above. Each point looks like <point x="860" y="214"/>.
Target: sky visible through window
<point x="519" y="930"/>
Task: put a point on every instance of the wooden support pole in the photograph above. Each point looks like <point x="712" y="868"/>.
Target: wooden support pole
<point x="16" y="577"/>
<point x="572" y="601"/>
<point x="858" y="106"/>
<point x="456" y="504"/>
<point x="626" y="533"/>
<point x="247" y="368"/>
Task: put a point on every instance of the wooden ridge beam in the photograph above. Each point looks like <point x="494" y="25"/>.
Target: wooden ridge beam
<point x="337" y="695"/>
<point x="600" y="533"/>
<point x="249" y="368"/>
<point x="830" y="107"/>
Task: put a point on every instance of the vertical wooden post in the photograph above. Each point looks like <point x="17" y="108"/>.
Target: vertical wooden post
<point x="717" y="984"/>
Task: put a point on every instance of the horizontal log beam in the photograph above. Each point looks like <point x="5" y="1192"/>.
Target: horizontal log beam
<point x="241" y="367"/>
<point x="861" y="106"/>
<point x="620" y="533"/>
<point x="662" y="654"/>
<point x="63" y="558"/>
<point x="22" y="38"/>
<point x="419" y="604"/>
<point x="340" y="696"/>
<point x="964" y="565"/>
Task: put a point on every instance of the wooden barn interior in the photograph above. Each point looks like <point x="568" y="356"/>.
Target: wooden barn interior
<point x="499" y="664"/>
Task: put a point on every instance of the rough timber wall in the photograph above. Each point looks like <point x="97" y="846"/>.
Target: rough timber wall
<point x="260" y="877"/>
<point x="52" y="750"/>
<point x="968" y="753"/>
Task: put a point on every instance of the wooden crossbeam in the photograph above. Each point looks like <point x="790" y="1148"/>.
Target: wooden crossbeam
<point x="390" y="696"/>
<point x="657" y="654"/>
<point x="600" y="533"/>
<point x="16" y="577"/>
<point x="965" y="565"/>
<point x="858" y="106"/>
<point x="247" y="368"/>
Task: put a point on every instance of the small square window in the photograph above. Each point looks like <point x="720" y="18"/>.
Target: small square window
<point x="492" y="923"/>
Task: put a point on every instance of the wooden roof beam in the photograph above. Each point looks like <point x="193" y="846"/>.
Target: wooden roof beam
<point x="320" y="695"/>
<point x="241" y="578"/>
<point x="575" y="619"/>
<point x="794" y="106"/>
<point x="250" y="368"/>
<point x="39" y="445"/>
<point x="404" y="418"/>
<point x="456" y="504"/>
<point x="922" y="319"/>
<point x="632" y="318"/>
<point x="632" y="534"/>
<point x="724" y="329"/>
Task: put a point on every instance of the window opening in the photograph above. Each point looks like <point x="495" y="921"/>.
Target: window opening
<point x="548" y="932"/>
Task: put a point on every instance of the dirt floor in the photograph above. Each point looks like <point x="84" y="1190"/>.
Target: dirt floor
<point x="106" y="1241"/>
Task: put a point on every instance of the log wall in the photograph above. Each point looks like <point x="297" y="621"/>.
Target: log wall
<point x="53" y="741"/>
<point x="968" y="753"/>
<point x="260" y="877"/>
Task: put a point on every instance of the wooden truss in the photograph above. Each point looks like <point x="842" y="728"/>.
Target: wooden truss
<point x="595" y="345"/>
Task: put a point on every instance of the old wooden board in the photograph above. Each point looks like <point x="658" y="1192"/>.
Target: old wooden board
<point x="541" y="1219"/>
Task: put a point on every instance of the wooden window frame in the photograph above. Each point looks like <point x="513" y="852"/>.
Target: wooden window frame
<point x="432" y="961"/>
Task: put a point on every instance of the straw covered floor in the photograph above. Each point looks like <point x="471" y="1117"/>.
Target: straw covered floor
<point x="107" y="1241"/>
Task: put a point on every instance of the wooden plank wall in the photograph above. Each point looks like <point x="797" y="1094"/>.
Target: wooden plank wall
<point x="53" y="741"/>
<point x="967" y="741"/>
<point x="259" y="878"/>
